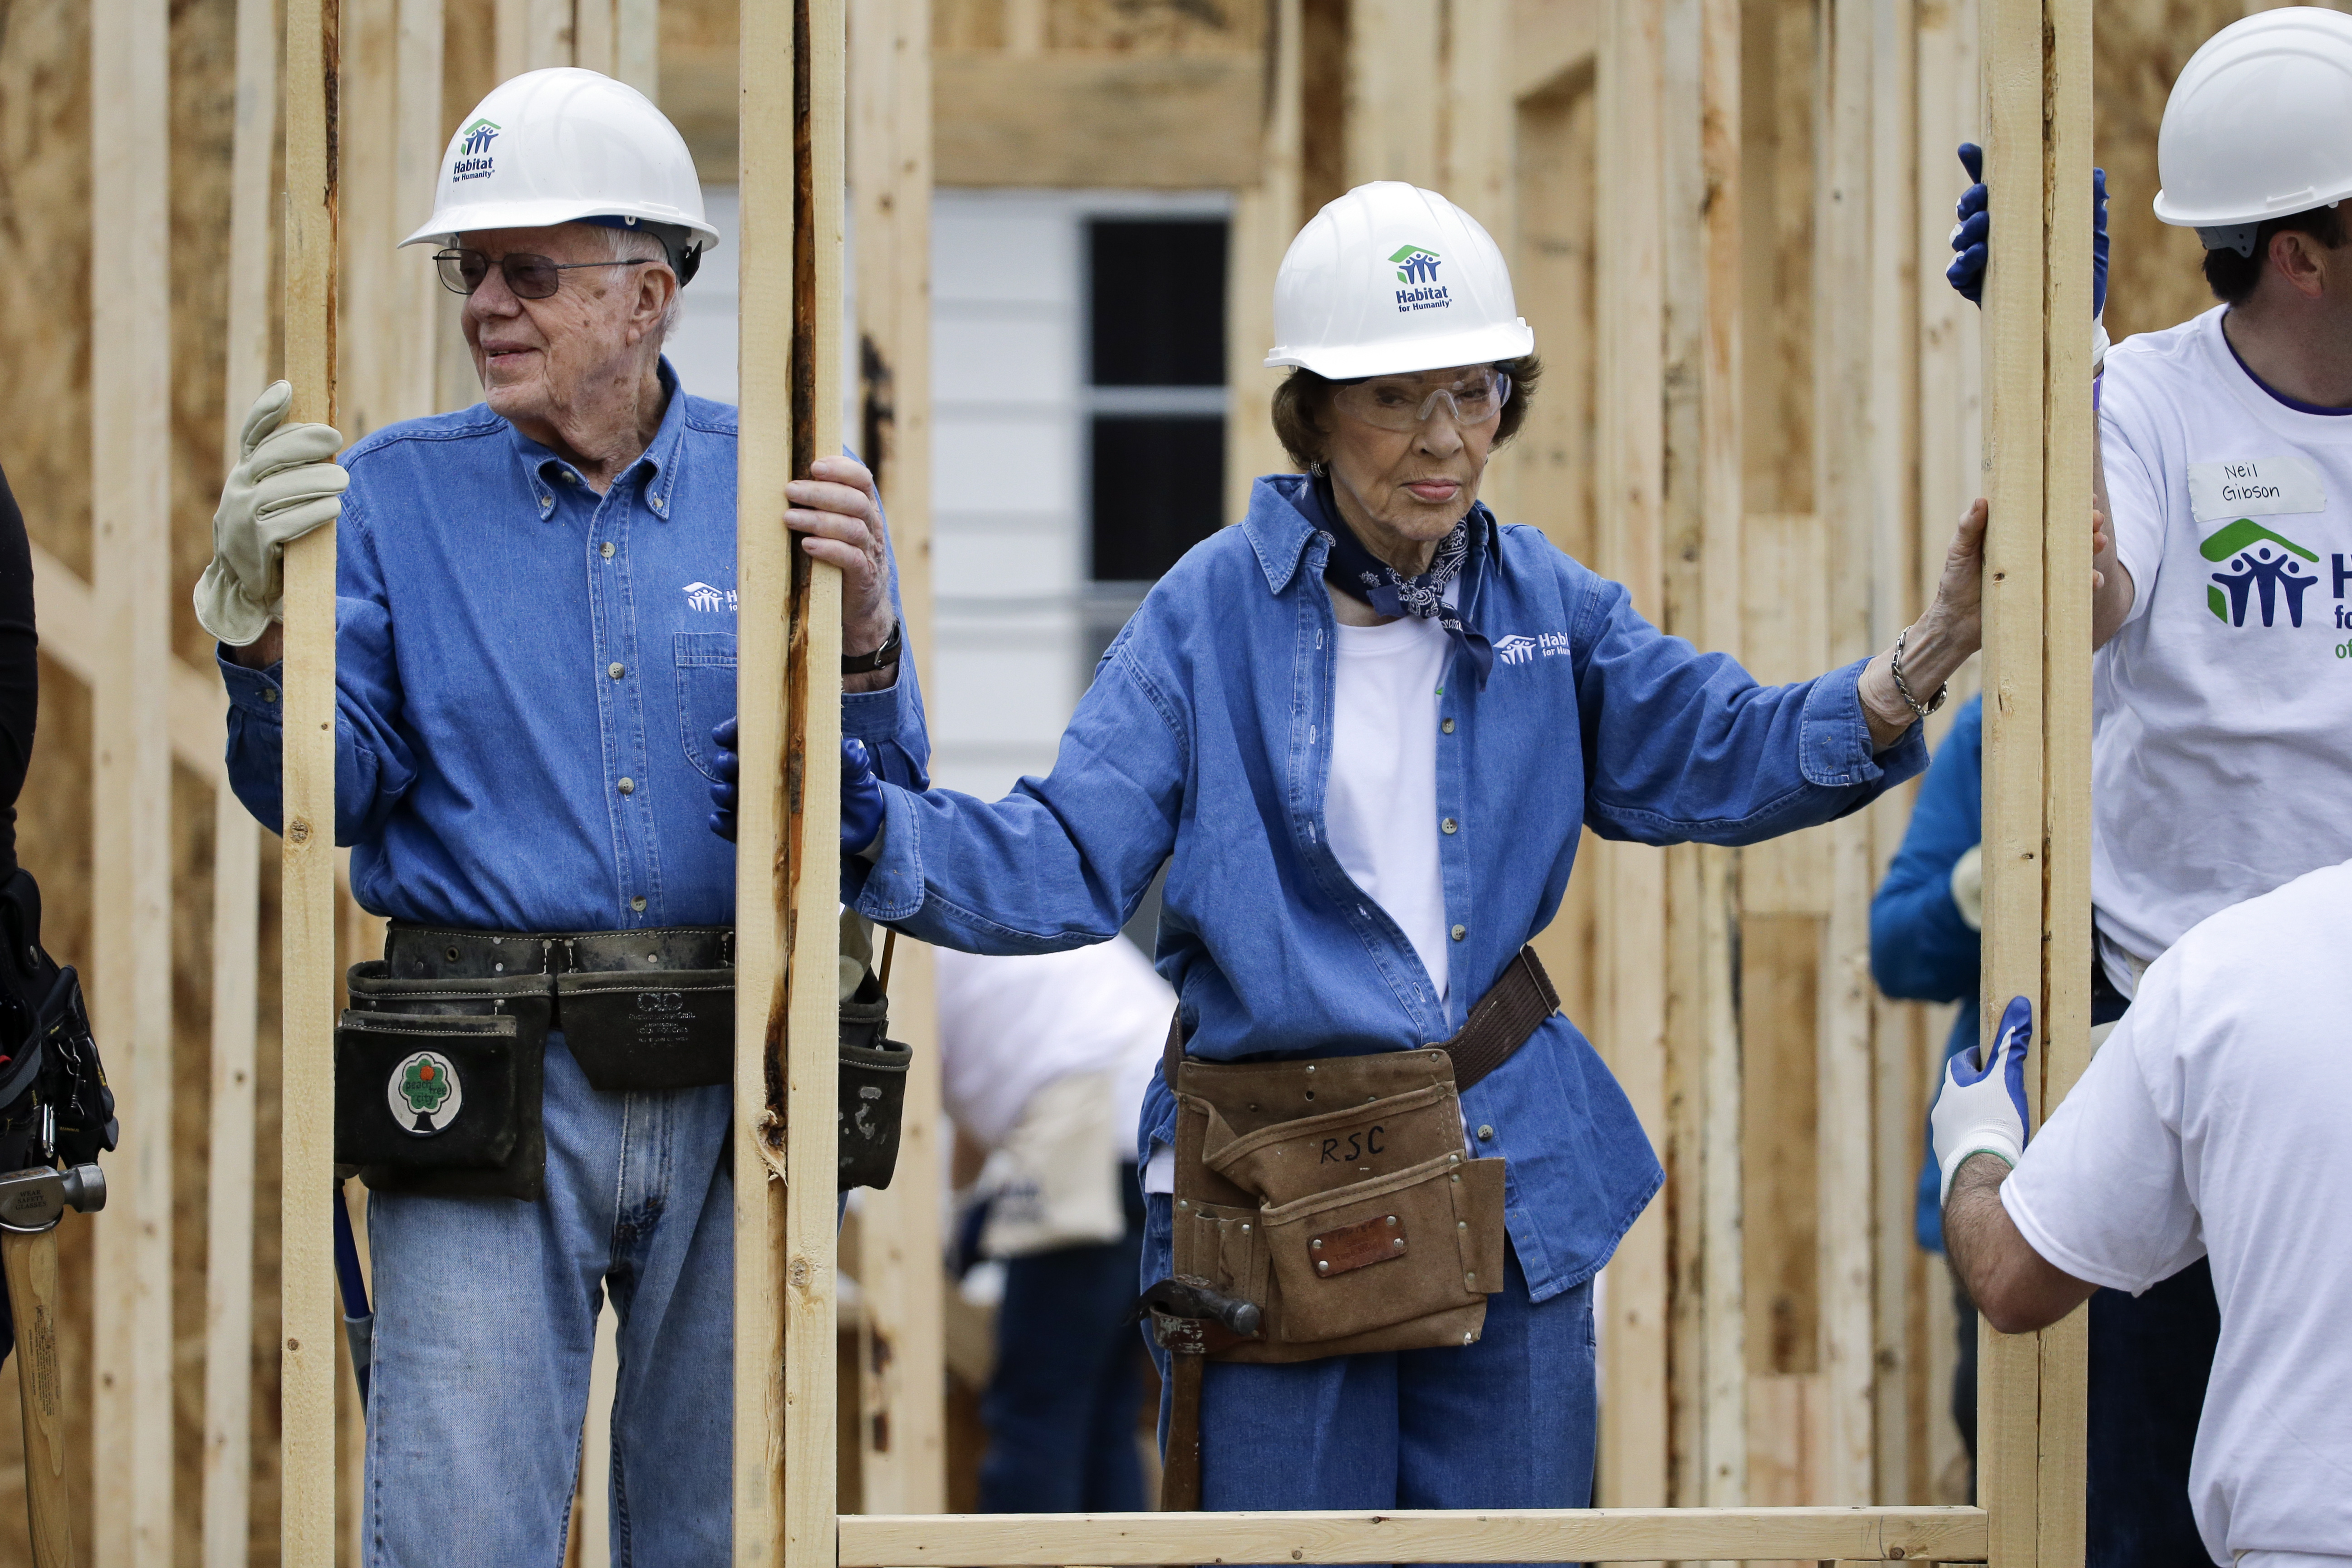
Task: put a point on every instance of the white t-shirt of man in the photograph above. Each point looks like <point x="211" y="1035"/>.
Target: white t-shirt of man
<point x="1380" y="807"/>
<point x="2217" y="1121"/>
<point x="2222" y="719"/>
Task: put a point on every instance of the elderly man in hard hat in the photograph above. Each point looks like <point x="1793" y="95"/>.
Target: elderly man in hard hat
<point x="1363" y="731"/>
<point x="2223" y="726"/>
<point x="535" y="634"/>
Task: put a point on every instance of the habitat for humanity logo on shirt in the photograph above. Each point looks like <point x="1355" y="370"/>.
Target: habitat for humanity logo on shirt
<point x="2264" y="572"/>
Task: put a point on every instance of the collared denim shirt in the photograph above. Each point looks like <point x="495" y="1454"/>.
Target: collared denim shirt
<point x="509" y="645"/>
<point x="1206" y="737"/>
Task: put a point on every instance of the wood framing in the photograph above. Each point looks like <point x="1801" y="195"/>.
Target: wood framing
<point x="787" y="866"/>
<point x="902" y="1373"/>
<point x="307" y="1316"/>
<point x="1408" y="1535"/>
<point x="130" y="997"/>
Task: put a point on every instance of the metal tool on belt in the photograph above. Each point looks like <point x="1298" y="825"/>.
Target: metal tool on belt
<point x="1190" y="1318"/>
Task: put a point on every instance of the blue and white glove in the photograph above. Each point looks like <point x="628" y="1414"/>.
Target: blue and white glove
<point x="1981" y="1109"/>
<point x="1972" y="234"/>
<point x="861" y="792"/>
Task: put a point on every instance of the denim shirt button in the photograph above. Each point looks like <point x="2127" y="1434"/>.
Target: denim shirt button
<point x="637" y="904"/>
<point x="1461" y="931"/>
<point x="1450" y="825"/>
<point x="1446" y="725"/>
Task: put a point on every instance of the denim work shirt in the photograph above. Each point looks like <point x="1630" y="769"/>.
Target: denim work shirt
<point x="1205" y="736"/>
<point x="526" y="677"/>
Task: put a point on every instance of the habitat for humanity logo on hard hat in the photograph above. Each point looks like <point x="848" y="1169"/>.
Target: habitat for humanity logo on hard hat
<point x="1417" y="268"/>
<point x="474" y="161"/>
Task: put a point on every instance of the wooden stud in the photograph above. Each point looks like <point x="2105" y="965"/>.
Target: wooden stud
<point x="1409" y="1535"/>
<point x="637" y="45"/>
<point x="1629" y="526"/>
<point x="30" y="1262"/>
<point x="534" y="35"/>
<point x="311" y="1334"/>
<point x="764" y="576"/>
<point x="812" y="759"/>
<point x="1393" y="117"/>
<point x="419" y="123"/>
<point x="2008" y="1380"/>
<point x="1266" y="218"/>
<point x="2066" y="944"/>
<point x="227" y="1461"/>
<point x="902" y="1463"/>
<point x="131" y="1000"/>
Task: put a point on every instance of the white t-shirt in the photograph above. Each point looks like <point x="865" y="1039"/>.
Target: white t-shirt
<point x="1010" y="1025"/>
<point x="1381" y="808"/>
<point x="2223" y="725"/>
<point x="2217" y="1120"/>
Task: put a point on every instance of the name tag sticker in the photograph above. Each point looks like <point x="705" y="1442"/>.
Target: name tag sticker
<point x="2255" y="487"/>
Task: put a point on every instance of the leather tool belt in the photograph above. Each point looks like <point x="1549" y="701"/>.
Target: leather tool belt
<point x="1334" y="1193"/>
<point x="439" y="1060"/>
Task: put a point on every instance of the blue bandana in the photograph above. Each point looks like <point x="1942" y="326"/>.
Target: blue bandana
<point x="1360" y="574"/>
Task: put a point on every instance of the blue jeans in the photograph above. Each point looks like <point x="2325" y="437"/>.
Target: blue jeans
<point x="486" y="1323"/>
<point x="1505" y="1423"/>
<point x="1061" y="1407"/>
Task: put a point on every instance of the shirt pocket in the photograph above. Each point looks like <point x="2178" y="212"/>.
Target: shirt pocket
<point x="705" y="693"/>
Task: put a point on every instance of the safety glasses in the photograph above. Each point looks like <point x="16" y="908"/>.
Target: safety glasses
<point x="528" y="276"/>
<point x="1404" y="402"/>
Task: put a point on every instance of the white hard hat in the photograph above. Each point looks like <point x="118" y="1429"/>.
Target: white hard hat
<point x="1390" y="279"/>
<point x="2258" y="126"/>
<point x="560" y="145"/>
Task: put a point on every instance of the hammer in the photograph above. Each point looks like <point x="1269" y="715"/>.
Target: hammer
<point x="1190" y="1318"/>
<point x="31" y="1202"/>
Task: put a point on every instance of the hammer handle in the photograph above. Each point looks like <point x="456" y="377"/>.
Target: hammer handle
<point x="32" y="1265"/>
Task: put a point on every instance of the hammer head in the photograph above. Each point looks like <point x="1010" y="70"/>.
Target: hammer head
<point x="35" y="1199"/>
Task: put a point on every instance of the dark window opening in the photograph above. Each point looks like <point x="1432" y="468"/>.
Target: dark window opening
<point x="1158" y="489"/>
<point x="1158" y="301"/>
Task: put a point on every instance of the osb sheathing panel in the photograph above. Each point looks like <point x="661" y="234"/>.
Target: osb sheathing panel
<point x="44" y="311"/>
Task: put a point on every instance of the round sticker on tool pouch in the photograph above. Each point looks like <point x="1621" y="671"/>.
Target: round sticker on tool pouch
<point x="424" y="1094"/>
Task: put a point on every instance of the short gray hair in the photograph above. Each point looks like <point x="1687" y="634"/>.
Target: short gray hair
<point x="630" y="244"/>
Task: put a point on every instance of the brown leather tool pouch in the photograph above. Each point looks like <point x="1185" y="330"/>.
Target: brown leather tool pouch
<point x="1336" y="1193"/>
<point x="1365" y="1228"/>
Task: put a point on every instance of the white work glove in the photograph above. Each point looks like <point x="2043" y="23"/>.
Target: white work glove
<point x="285" y="484"/>
<point x="1981" y="1109"/>
<point x="1968" y="886"/>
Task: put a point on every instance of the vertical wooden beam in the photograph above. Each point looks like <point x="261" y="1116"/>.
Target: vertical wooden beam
<point x="812" y="760"/>
<point x="2007" y="1381"/>
<point x="130" y="496"/>
<point x="227" y="1463"/>
<point x="1265" y="217"/>
<point x="902" y="1432"/>
<point x="534" y="34"/>
<point x="1897" y="1068"/>
<point x="1849" y="430"/>
<point x="1393" y="118"/>
<point x="306" y="1373"/>
<point x="2070" y="430"/>
<point x="764" y="576"/>
<point x="1721" y="1438"/>
<point x="1629" y="525"/>
<point x="413" y="378"/>
<point x="637" y="45"/>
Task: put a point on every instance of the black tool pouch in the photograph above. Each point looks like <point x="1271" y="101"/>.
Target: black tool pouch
<point x="873" y="1088"/>
<point x="438" y="1083"/>
<point x="650" y="1009"/>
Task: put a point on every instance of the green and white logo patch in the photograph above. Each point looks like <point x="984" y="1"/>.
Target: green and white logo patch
<point x="426" y="1094"/>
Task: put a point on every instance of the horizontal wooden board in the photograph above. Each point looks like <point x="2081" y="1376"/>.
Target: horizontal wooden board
<point x="1503" y="1535"/>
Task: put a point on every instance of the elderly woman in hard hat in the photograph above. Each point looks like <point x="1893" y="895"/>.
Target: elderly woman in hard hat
<point x="1364" y="732"/>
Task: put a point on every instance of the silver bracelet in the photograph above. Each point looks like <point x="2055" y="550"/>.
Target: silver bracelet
<point x="1902" y="688"/>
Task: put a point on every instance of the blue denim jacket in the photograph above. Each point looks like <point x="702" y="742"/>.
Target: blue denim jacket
<point x="509" y="645"/>
<point x="1205" y="736"/>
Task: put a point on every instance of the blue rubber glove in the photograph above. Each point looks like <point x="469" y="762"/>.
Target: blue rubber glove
<point x="1972" y="235"/>
<point x="1981" y="1109"/>
<point x="861" y="792"/>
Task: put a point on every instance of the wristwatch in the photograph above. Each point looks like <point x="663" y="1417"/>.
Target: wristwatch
<point x="882" y="658"/>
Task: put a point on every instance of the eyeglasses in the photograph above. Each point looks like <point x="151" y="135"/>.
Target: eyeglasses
<point x="528" y="276"/>
<point x="1400" y="403"/>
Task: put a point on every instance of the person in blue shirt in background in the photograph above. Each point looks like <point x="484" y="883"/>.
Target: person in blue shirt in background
<point x="1926" y="945"/>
